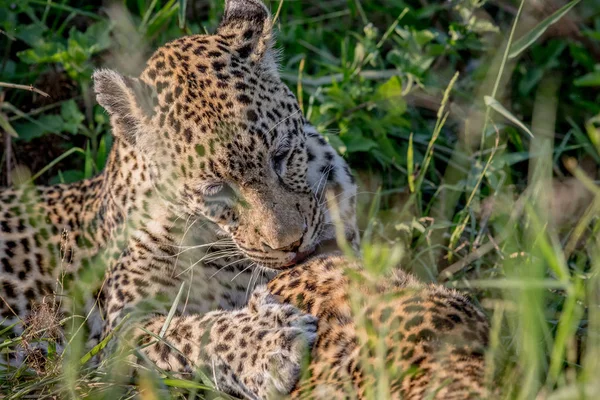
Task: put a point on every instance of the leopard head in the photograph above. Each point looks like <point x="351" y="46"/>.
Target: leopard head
<point x="223" y="135"/>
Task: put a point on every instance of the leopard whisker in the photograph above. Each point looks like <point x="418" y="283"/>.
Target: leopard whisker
<point x="324" y="203"/>
<point x="181" y="241"/>
<point x="317" y="184"/>
<point x="189" y="291"/>
<point x="222" y="254"/>
<point x="326" y="176"/>
<point x="255" y="272"/>
<point x="227" y="265"/>
<point x="318" y="191"/>
<point x="220" y="241"/>
<point x="244" y="270"/>
<point x="263" y="275"/>
<point x="282" y="121"/>
<point x="188" y="248"/>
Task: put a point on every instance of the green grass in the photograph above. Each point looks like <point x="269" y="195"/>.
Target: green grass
<point x="452" y="184"/>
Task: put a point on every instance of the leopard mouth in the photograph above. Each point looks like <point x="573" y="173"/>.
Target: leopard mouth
<point x="271" y="263"/>
<point x="301" y="256"/>
<point x="324" y="247"/>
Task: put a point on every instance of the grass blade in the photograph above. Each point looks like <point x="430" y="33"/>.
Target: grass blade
<point x="56" y="161"/>
<point x="567" y="328"/>
<point x="147" y="14"/>
<point x="499" y="108"/>
<point x="4" y="124"/>
<point x="97" y="348"/>
<point x="589" y="80"/>
<point x="63" y="7"/>
<point x="164" y="328"/>
<point x="88" y="164"/>
<point x="410" y="164"/>
<point x="182" y="10"/>
<point x="530" y="37"/>
<point x="185" y="384"/>
<point x="442" y="116"/>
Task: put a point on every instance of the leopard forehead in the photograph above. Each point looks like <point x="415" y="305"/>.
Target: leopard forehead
<point x="211" y="93"/>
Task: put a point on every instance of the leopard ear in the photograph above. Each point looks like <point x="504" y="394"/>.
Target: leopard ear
<point x="129" y="101"/>
<point x="247" y="24"/>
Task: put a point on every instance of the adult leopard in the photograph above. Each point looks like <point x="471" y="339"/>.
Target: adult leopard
<point x="214" y="179"/>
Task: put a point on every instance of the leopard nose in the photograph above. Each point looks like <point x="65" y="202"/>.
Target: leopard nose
<point x="292" y="247"/>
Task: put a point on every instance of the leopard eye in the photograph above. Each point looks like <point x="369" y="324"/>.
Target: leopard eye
<point x="278" y="161"/>
<point x="217" y="192"/>
<point x="213" y="189"/>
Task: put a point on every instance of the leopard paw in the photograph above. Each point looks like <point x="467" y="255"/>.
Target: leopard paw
<point x="284" y="336"/>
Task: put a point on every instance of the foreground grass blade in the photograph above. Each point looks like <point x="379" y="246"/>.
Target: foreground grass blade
<point x="172" y="311"/>
<point x="185" y="384"/>
<point x="530" y="37"/>
<point x="96" y="349"/>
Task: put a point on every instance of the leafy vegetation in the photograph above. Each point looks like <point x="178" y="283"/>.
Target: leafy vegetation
<point x="463" y="119"/>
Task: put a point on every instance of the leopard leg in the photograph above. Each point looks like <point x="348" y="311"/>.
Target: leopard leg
<point x="254" y="352"/>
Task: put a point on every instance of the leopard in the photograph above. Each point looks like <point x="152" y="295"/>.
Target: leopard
<point x="214" y="182"/>
<point x="385" y="335"/>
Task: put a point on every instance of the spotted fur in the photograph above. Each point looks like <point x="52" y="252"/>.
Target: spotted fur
<point x="214" y="181"/>
<point x="385" y="338"/>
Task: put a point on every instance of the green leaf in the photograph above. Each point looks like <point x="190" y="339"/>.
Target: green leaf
<point x="72" y="116"/>
<point x="425" y="36"/>
<point x="95" y="39"/>
<point x="98" y="36"/>
<point x="387" y="147"/>
<point x="390" y="97"/>
<point x="45" y="124"/>
<point x="530" y="37"/>
<point x="515" y="138"/>
<point x="335" y="142"/>
<point x="45" y="53"/>
<point x="582" y="55"/>
<point x="591" y="79"/>
<point x="492" y="103"/>
<point x="390" y="89"/>
<point x="78" y="52"/>
<point x="31" y="34"/>
<point x="591" y="34"/>
<point x="68" y="176"/>
<point x="358" y="143"/>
